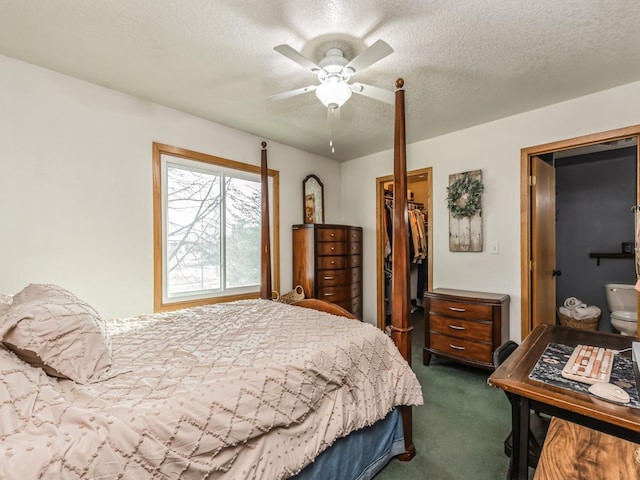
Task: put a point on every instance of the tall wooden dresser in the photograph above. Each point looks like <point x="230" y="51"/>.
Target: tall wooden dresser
<point x="327" y="263"/>
<point x="464" y="326"/>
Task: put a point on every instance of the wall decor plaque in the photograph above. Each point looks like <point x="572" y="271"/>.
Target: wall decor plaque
<point x="464" y="201"/>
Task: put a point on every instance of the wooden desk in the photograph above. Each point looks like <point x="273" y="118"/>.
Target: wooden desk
<point x="525" y="394"/>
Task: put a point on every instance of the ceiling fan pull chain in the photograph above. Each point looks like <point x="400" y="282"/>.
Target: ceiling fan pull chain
<point x="331" y="113"/>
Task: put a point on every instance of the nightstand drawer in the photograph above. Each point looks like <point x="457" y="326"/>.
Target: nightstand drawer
<point x="465" y="349"/>
<point x="461" y="309"/>
<point x="464" y="325"/>
<point x="460" y="328"/>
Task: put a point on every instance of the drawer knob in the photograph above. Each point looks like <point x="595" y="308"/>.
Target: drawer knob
<point x="333" y="234"/>
<point x="333" y="248"/>
<point x="456" y="327"/>
<point x="455" y="309"/>
<point x="457" y="347"/>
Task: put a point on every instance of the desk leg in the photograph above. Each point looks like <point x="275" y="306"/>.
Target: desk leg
<point x="520" y="438"/>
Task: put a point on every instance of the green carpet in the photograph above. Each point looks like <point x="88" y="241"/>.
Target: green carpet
<point x="460" y="430"/>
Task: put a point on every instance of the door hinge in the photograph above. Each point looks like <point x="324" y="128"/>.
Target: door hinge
<point x="532" y="265"/>
<point x="532" y="181"/>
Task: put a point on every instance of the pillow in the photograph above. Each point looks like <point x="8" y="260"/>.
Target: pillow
<point x="49" y="327"/>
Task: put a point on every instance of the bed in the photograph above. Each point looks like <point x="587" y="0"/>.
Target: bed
<point x="244" y="389"/>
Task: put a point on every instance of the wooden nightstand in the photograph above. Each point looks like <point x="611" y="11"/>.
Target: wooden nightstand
<point x="464" y="326"/>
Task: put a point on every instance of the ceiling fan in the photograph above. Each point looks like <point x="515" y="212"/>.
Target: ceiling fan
<point x="334" y="72"/>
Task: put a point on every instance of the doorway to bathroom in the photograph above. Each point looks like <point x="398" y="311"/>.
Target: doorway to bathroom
<point x="577" y="222"/>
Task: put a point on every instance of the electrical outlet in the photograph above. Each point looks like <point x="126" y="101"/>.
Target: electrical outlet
<point x="495" y="247"/>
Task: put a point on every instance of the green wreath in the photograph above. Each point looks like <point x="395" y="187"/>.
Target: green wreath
<point x="464" y="196"/>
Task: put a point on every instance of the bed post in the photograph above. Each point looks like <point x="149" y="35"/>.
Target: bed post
<point x="400" y="321"/>
<point x="265" y="269"/>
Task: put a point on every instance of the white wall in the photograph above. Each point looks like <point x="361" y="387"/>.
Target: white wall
<point x="76" y="185"/>
<point x="495" y="149"/>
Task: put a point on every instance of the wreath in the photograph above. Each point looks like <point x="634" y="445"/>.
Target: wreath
<point x="464" y="196"/>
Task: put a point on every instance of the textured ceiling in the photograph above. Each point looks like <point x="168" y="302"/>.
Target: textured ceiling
<point x="464" y="62"/>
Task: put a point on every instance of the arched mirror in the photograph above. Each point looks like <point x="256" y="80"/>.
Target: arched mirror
<point x="313" y="197"/>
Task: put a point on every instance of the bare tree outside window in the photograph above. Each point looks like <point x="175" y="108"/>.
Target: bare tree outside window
<point x="213" y="233"/>
<point x="207" y="224"/>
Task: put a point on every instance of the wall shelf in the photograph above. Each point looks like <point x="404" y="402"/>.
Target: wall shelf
<point x="598" y="256"/>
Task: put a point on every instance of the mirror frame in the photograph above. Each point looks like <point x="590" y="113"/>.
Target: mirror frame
<point x="312" y="200"/>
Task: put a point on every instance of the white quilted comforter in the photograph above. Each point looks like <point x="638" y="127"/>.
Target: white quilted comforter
<point x="248" y="389"/>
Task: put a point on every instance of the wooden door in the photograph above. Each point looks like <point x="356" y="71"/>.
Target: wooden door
<point x="543" y="232"/>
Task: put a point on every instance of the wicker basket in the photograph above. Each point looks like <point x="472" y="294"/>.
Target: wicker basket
<point x="292" y="296"/>
<point x="581" y="324"/>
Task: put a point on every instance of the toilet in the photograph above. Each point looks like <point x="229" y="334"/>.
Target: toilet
<point x="622" y="301"/>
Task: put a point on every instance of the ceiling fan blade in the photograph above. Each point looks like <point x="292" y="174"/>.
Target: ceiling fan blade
<point x="371" y="55"/>
<point x="297" y="57"/>
<point x="376" y="93"/>
<point x="291" y="93"/>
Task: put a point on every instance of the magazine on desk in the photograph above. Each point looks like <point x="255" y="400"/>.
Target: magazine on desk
<point x="555" y="357"/>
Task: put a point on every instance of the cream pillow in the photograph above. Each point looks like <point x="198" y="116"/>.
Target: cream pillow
<point x="49" y="327"/>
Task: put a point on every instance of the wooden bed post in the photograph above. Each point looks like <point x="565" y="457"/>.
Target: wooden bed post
<point x="265" y="280"/>
<point x="400" y="302"/>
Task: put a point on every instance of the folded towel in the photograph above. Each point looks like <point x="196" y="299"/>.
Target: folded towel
<point x="584" y="312"/>
<point x="572" y="302"/>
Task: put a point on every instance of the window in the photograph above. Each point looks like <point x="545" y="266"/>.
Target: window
<point x="207" y="228"/>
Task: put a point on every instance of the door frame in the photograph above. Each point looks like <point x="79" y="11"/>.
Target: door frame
<point x="527" y="322"/>
<point x="422" y="174"/>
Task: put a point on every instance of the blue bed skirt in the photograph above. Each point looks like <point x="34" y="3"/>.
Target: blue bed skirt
<point x="361" y="454"/>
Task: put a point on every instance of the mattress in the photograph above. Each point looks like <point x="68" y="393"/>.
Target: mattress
<point x="246" y="389"/>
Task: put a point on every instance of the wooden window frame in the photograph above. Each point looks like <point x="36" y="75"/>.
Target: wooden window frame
<point x="158" y="230"/>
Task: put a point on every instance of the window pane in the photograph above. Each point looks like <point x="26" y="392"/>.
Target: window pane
<point x="242" y="235"/>
<point x="193" y="231"/>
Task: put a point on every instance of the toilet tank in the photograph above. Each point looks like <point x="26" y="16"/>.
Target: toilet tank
<point x="621" y="297"/>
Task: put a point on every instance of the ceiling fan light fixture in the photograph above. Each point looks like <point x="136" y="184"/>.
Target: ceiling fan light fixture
<point x="333" y="94"/>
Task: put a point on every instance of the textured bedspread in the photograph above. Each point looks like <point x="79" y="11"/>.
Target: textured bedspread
<point x="248" y="389"/>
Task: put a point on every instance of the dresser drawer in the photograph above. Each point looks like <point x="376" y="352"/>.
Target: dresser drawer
<point x="461" y="309"/>
<point x="334" y="294"/>
<point x="460" y="328"/>
<point x="354" y="261"/>
<point x="352" y="306"/>
<point x="331" y="263"/>
<point x="330" y="235"/>
<point x="464" y="349"/>
<point x="332" y="278"/>
<point x="333" y="248"/>
<point x="354" y="236"/>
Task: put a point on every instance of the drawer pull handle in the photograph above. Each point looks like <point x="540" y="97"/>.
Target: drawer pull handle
<point x="333" y="234"/>
<point x="328" y="278"/>
<point x="457" y="309"/>
<point x="456" y="347"/>
<point x="333" y="249"/>
<point x="456" y="327"/>
<point x="328" y="294"/>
